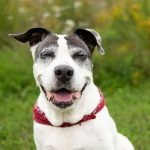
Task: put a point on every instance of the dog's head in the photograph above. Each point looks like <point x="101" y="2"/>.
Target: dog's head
<point x="62" y="63"/>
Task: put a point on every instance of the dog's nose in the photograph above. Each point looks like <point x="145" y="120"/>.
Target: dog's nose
<point x="64" y="72"/>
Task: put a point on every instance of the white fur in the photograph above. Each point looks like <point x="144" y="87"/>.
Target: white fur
<point x="33" y="49"/>
<point x="97" y="134"/>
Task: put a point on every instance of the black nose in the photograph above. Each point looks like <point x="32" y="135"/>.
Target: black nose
<point x="64" y="72"/>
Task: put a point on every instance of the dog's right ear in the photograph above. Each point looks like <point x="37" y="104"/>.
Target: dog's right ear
<point x="91" y="39"/>
<point x="33" y="35"/>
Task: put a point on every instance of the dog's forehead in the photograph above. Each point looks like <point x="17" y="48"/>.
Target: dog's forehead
<point x="71" y="40"/>
<point x="61" y="42"/>
<point x="75" y="41"/>
<point x="50" y="40"/>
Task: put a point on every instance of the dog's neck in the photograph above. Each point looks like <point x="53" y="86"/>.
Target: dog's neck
<point x="72" y="115"/>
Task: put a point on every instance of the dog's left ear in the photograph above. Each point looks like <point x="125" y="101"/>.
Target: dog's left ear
<point x="33" y="35"/>
<point x="91" y="39"/>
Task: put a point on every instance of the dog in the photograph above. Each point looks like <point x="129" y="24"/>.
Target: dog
<point x="70" y="113"/>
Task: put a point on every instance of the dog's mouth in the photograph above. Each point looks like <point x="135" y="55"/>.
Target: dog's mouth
<point x="63" y="97"/>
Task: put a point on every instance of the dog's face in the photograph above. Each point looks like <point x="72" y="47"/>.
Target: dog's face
<point x="62" y="63"/>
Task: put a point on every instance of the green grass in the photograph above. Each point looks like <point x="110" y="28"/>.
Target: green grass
<point x="129" y="105"/>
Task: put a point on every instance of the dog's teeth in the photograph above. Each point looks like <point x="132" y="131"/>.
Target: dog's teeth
<point x="51" y="98"/>
<point x="73" y="97"/>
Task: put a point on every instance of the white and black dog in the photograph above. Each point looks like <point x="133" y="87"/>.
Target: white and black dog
<point x="70" y="113"/>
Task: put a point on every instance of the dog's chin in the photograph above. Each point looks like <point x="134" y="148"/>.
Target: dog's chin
<point x="63" y="97"/>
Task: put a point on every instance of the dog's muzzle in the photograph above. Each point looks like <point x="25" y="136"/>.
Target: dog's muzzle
<point x="63" y="97"/>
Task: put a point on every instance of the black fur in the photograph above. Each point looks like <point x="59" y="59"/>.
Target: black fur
<point x="33" y="35"/>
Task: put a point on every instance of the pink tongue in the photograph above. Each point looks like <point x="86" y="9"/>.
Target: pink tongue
<point x="64" y="96"/>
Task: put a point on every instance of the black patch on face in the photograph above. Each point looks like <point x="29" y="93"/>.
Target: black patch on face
<point x="49" y="41"/>
<point x="74" y="41"/>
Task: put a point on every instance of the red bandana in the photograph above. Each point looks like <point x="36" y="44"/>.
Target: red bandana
<point x="40" y="117"/>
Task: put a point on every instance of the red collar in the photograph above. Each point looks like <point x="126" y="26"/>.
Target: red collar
<point x="40" y="117"/>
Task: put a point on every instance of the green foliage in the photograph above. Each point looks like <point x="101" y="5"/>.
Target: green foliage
<point x="17" y="95"/>
<point x="123" y="73"/>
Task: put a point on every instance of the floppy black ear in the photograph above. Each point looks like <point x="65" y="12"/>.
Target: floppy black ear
<point x="91" y="39"/>
<point x="33" y="35"/>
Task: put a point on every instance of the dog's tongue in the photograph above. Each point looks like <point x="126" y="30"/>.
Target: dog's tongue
<point x="63" y="96"/>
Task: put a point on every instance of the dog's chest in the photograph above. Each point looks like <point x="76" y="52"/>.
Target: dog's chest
<point x="74" y="138"/>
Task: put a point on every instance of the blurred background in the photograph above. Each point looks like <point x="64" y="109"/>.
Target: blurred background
<point x="123" y="73"/>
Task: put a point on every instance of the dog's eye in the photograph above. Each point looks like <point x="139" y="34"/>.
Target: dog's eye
<point x="46" y="55"/>
<point x="80" y="55"/>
